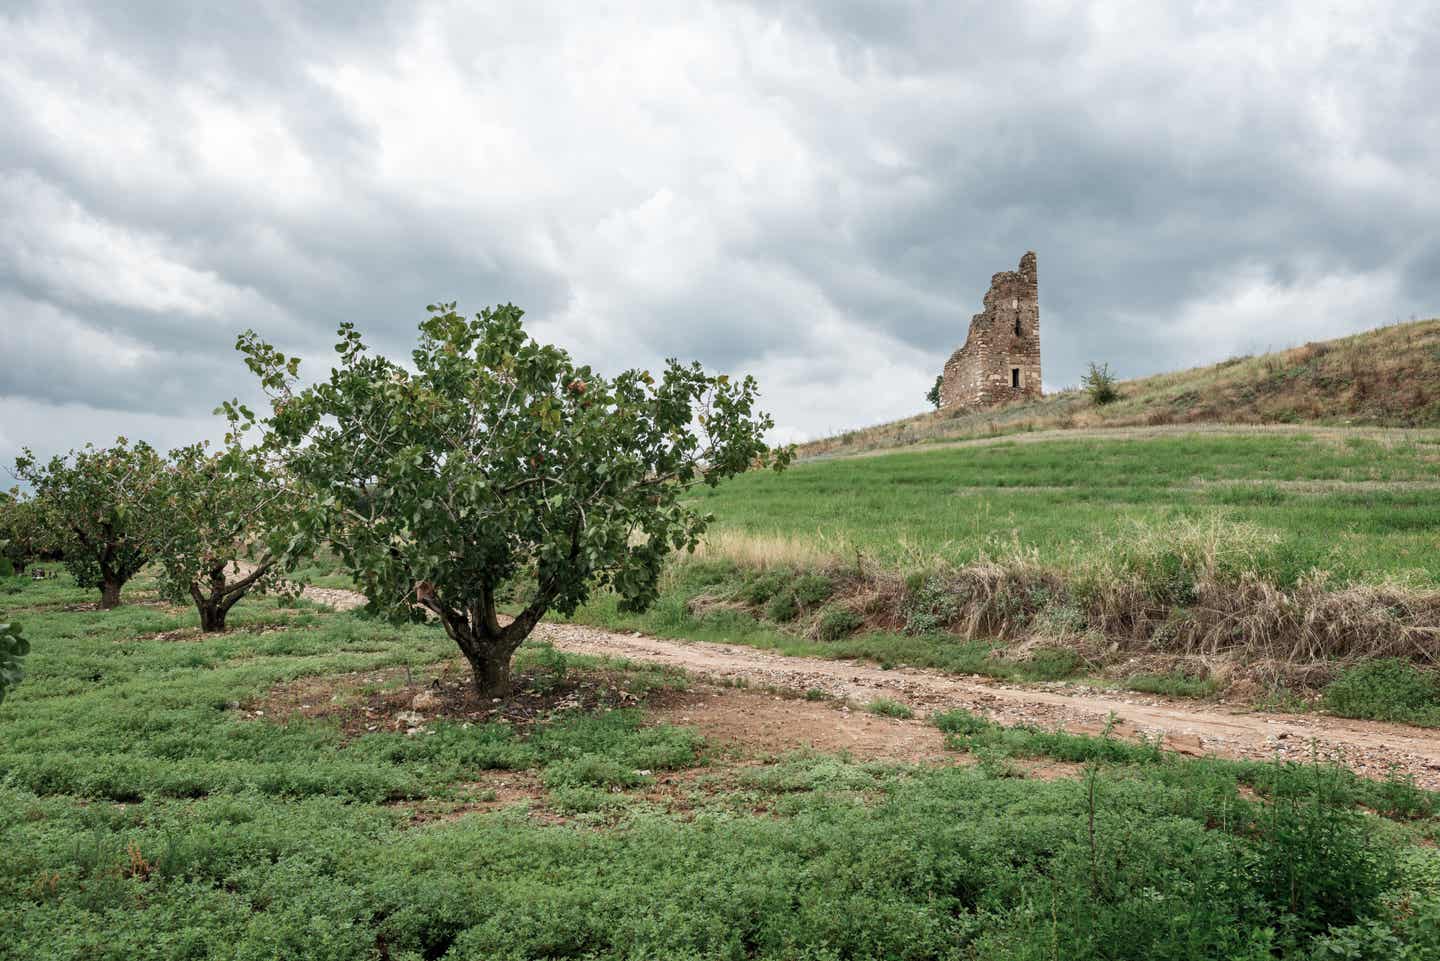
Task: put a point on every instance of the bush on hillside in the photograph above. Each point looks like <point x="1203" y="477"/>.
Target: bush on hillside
<point x="1100" y="384"/>
<point x="812" y="589"/>
<point x="782" y="607"/>
<point x="837" y="622"/>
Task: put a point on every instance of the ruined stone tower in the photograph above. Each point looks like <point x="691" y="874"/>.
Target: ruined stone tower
<point x="1000" y="360"/>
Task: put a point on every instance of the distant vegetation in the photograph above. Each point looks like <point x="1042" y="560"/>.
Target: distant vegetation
<point x="1386" y="377"/>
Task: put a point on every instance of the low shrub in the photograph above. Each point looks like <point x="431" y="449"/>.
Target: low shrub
<point x="837" y="622"/>
<point x="1172" y="685"/>
<point x="1385" y="689"/>
<point x="760" y="586"/>
<point x="1053" y="663"/>
<point x="960" y="721"/>
<point x="812" y="589"/>
<point x="928" y="605"/>
<point x="13" y="648"/>
<point x="783" y="607"/>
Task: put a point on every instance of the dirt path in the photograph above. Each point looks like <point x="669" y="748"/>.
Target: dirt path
<point x="1370" y="748"/>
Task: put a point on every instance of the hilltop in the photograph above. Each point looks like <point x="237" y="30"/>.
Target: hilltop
<point x="1387" y="377"/>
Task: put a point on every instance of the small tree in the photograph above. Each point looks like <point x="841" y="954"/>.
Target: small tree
<point x="1100" y="384"/>
<point x="21" y="531"/>
<point x="102" y="505"/>
<point x="13" y="648"/>
<point x="219" y="509"/>
<point x="934" y="395"/>
<point x="500" y="462"/>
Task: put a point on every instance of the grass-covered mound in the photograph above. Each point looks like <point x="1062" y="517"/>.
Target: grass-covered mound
<point x="1383" y="377"/>
<point x="170" y="795"/>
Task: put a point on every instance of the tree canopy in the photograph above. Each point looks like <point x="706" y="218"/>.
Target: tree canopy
<point x="220" y="509"/>
<point x="22" y="531"/>
<point x="13" y="648"/>
<point x="103" y="507"/>
<point x="498" y="463"/>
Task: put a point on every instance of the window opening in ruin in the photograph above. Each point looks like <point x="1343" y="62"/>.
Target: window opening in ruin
<point x="1014" y="376"/>
<point x="1017" y="325"/>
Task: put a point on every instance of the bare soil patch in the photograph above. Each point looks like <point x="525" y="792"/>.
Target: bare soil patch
<point x="756" y="724"/>
<point x="394" y="700"/>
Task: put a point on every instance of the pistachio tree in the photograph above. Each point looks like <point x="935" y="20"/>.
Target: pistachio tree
<point x="22" y="531"/>
<point x="103" y="508"/>
<point x="493" y="463"/>
<point x="213" y="548"/>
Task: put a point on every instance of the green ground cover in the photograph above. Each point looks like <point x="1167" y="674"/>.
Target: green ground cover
<point x="1358" y="508"/>
<point x="142" y="815"/>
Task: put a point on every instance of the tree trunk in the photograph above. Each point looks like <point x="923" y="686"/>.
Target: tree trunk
<point x="212" y="616"/>
<point x="110" y="593"/>
<point x="490" y="674"/>
<point x="477" y="632"/>
<point x="215" y="603"/>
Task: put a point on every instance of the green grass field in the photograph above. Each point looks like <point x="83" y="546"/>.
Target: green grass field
<point x="154" y="804"/>
<point x="1358" y="507"/>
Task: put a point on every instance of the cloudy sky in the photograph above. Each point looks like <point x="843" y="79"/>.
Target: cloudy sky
<point x="813" y="192"/>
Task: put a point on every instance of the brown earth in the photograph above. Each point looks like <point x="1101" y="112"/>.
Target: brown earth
<point x="1370" y="748"/>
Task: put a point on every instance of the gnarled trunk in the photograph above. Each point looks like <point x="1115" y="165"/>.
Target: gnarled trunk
<point x="214" y="603"/>
<point x="490" y="675"/>
<point x="110" y="593"/>
<point x="487" y="646"/>
<point x="212" y="617"/>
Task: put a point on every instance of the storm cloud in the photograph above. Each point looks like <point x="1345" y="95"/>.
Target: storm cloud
<point x="813" y="192"/>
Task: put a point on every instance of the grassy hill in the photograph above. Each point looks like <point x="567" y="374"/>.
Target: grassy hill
<point x="1385" y="377"/>
<point x="1228" y="554"/>
<point x="1363" y="508"/>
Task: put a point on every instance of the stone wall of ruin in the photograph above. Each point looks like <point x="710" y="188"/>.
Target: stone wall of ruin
<point x="1004" y="338"/>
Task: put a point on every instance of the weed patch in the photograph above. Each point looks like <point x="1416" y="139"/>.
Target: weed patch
<point x="1386" y="689"/>
<point x="886" y="707"/>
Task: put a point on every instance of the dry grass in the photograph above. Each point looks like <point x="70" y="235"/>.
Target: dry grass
<point x="1385" y="377"/>
<point x="1205" y="590"/>
<point x="766" y="552"/>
